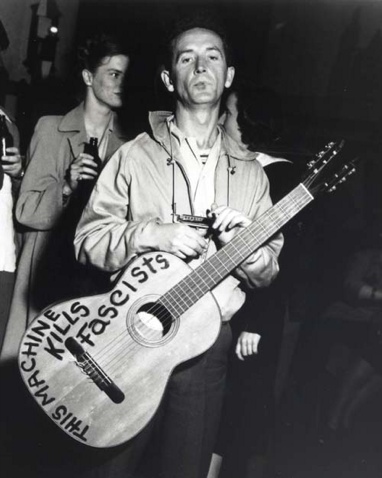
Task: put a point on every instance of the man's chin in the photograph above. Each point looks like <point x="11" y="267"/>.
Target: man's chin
<point x="115" y="105"/>
<point x="205" y="97"/>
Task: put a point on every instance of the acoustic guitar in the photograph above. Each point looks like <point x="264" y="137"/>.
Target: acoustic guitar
<point x="98" y="366"/>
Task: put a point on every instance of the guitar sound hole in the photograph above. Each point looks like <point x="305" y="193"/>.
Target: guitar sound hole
<point x="155" y="324"/>
<point x="150" y="323"/>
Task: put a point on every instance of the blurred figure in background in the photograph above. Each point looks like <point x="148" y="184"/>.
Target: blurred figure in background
<point x="361" y="313"/>
<point x="57" y="183"/>
<point x="11" y="173"/>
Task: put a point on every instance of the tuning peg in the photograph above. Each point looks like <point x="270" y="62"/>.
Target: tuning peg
<point x="324" y="156"/>
<point x="339" y="178"/>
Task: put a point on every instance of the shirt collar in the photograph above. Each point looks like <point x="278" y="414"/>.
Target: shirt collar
<point x="180" y="136"/>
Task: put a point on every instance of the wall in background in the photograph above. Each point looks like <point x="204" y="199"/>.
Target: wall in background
<point x="16" y="18"/>
<point x="327" y="49"/>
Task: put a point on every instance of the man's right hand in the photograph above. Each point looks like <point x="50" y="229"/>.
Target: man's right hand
<point x="183" y="241"/>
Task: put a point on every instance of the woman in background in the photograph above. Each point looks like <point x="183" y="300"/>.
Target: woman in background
<point x="55" y="188"/>
<point x="52" y="196"/>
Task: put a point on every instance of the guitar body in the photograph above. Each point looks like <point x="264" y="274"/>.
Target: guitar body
<point x="98" y="366"/>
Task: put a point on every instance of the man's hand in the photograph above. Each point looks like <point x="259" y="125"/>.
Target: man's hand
<point x="181" y="240"/>
<point x="247" y="344"/>
<point x="12" y="163"/>
<point x="227" y="222"/>
<point x="83" y="168"/>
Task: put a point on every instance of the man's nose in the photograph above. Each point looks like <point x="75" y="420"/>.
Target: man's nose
<point x="200" y="66"/>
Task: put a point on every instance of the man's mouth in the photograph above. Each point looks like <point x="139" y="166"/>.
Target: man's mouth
<point x="201" y="84"/>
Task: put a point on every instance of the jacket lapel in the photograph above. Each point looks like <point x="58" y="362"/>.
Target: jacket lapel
<point x="76" y="144"/>
<point x="73" y="125"/>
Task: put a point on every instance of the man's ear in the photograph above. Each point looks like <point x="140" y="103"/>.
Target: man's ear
<point x="87" y="76"/>
<point x="230" y="76"/>
<point x="166" y="78"/>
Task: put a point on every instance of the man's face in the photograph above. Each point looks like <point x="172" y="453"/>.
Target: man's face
<point x="106" y="83"/>
<point x="199" y="70"/>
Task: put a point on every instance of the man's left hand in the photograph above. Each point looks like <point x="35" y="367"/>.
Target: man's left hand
<point x="227" y="222"/>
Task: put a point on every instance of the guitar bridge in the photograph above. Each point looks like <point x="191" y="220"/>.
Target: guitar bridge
<point x="90" y="367"/>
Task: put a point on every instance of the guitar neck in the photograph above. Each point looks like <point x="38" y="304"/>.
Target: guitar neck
<point x="209" y="274"/>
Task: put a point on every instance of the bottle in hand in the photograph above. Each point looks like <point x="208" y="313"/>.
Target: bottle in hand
<point x="6" y="141"/>
<point x="92" y="149"/>
<point x="86" y="186"/>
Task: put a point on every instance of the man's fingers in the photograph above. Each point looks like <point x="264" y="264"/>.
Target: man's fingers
<point x="238" y="351"/>
<point x="181" y="240"/>
<point x="227" y="218"/>
<point x="194" y="240"/>
<point x="248" y="343"/>
<point x="191" y="246"/>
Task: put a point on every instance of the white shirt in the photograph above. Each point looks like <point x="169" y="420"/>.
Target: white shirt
<point x="201" y="175"/>
<point x="7" y="233"/>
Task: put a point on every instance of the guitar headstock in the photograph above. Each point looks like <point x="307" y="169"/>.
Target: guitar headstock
<point x="327" y="170"/>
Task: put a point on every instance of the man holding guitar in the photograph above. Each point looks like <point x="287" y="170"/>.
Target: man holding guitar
<point x="188" y="167"/>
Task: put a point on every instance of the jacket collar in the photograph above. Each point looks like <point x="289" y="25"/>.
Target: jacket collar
<point x="73" y="121"/>
<point x="159" y="126"/>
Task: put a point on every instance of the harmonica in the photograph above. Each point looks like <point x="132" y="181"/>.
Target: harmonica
<point x="194" y="221"/>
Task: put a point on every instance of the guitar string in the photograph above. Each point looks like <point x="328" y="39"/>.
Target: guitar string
<point x="240" y="255"/>
<point x="120" y="359"/>
<point x="237" y="254"/>
<point x="125" y="355"/>
<point x="181" y="296"/>
<point x="184" y="295"/>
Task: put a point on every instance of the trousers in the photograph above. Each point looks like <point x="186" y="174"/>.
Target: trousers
<point x="179" y="441"/>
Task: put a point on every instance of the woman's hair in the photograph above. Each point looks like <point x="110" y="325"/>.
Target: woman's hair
<point x="92" y="52"/>
<point x="259" y="114"/>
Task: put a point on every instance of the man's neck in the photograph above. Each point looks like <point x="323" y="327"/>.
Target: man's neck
<point x="97" y="118"/>
<point x="200" y="123"/>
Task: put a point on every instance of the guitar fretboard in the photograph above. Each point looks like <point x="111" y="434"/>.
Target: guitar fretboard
<point x="205" y="277"/>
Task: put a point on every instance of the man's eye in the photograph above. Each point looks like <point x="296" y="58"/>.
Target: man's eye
<point x="214" y="57"/>
<point x="186" y="59"/>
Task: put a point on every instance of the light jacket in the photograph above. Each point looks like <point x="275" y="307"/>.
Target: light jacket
<point x="40" y="210"/>
<point x="137" y="188"/>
